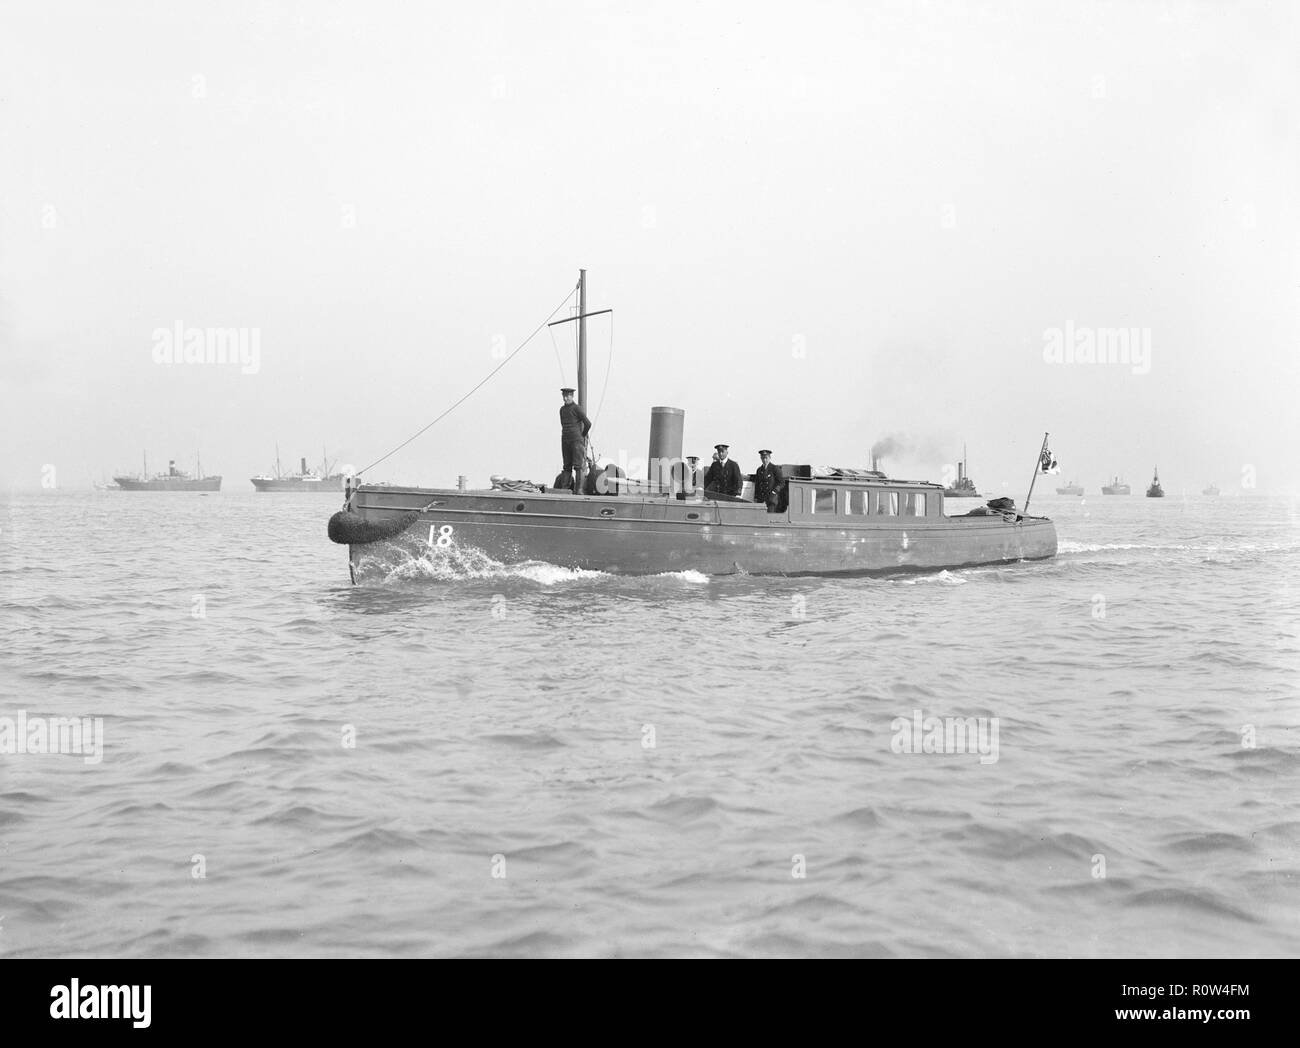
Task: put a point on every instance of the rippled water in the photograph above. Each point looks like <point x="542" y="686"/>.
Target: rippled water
<point x="646" y="759"/>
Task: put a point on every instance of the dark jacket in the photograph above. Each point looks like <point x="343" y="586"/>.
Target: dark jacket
<point x="725" y="478"/>
<point x="768" y="482"/>
<point x="574" y="423"/>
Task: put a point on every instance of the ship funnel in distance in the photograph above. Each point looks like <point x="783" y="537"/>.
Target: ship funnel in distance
<point x="304" y="466"/>
<point x="875" y="463"/>
<point x="666" y="427"/>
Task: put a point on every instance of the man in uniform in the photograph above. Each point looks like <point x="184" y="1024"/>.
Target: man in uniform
<point x="574" y="427"/>
<point x="769" y="483"/>
<point x="693" y="475"/>
<point x="724" y="475"/>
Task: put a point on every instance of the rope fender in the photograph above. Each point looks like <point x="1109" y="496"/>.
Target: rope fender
<point x="352" y="529"/>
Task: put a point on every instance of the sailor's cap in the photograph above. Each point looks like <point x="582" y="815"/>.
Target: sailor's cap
<point x="692" y="458"/>
<point x="722" y="447"/>
<point x="567" y="390"/>
<point x="765" y="451"/>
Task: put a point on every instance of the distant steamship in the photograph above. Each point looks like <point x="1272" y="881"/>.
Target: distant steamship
<point x="964" y="487"/>
<point x="304" y="481"/>
<point x="173" y="480"/>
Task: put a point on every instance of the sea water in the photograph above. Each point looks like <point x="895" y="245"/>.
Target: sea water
<point x="466" y="759"/>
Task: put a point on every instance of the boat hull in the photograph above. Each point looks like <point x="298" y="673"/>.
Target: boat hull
<point x="653" y="535"/>
<point x="170" y="484"/>
<point x="328" y="485"/>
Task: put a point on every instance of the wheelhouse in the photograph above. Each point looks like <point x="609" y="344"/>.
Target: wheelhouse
<point x="817" y="499"/>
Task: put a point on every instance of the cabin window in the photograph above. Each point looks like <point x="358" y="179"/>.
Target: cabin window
<point x="918" y="504"/>
<point x="824" y="500"/>
<point x="858" y="502"/>
<point x="889" y="503"/>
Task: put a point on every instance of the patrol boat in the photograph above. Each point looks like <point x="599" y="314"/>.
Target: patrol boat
<point x="1155" y="491"/>
<point x="832" y="520"/>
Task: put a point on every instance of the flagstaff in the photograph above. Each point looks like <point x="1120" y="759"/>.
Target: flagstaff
<point x="1038" y="468"/>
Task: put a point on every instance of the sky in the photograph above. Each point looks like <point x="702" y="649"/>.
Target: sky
<point x="817" y="225"/>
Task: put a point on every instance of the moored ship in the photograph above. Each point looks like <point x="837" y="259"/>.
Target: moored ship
<point x="1072" y="488"/>
<point x="173" y="480"/>
<point x="304" y="481"/>
<point x="964" y="487"/>
<point x="1212" y="490"/>
<point x="834" y="521"/>
<point x="1155" y="491"/>
<point x="1116" y="487"/>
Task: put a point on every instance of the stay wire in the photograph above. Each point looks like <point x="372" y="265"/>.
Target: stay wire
<point x="609" y="363"/>
<point x="480" y="385"/>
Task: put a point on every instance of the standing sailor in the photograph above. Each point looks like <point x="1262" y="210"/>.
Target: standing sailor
<point x="769" y="483"/>
<point x="724" y="476"/>
<point x="574" y="427"/>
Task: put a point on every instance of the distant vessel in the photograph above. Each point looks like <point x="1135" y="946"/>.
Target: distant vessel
<point x="1071" y="488"/>
<point x="1213" y="489"/>
<point x="965" y="487"/>
<point x="306" y="481"/>
<point x="1116" y="487"/>
<point x="1155" y="491"/>
<point x="173" y="480"/>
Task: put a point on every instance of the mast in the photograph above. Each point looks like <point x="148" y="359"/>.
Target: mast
<point x="277" y="460"/>
<point x="582" y="339"/>
<point x="581" y="318"/>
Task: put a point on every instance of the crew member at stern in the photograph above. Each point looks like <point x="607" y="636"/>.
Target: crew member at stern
<point x="574" y="427"/>
<point x="724" y="475"/>
<point x="769" y="483"/>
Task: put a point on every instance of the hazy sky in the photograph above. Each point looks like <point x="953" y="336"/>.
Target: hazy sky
<point x="818" y="224"/>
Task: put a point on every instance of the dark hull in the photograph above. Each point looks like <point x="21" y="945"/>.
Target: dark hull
<point x="1155" y="493"/>
<point x="968" y="492"/>
<point x="1111" y="489"/>
<point x="649" y="535"/>
<point x="329" y="485"/>
<point x="170" y="484"/>
<point x="1070" y="489"/>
